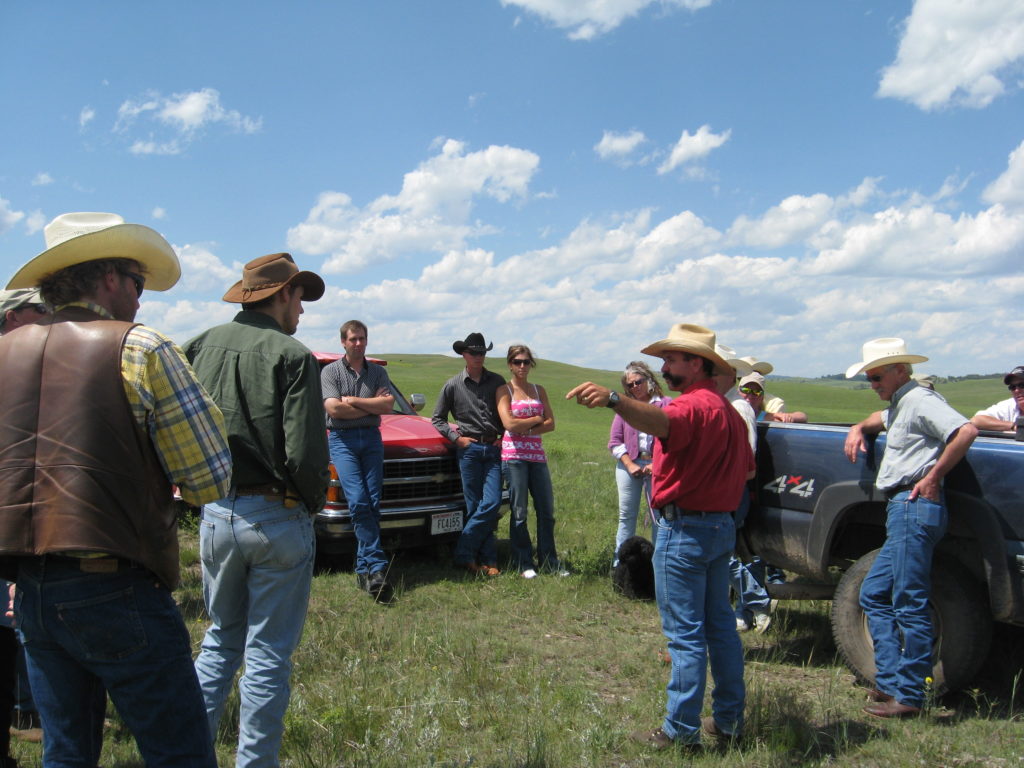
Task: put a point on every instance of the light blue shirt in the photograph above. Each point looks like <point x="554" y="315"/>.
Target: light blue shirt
<point x="919" y="422"/>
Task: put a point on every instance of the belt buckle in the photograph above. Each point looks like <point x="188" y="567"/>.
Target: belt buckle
<point x="98" y="564"/>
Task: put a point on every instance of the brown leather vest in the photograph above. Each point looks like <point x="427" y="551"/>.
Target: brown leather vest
<point x="76" y="471"/>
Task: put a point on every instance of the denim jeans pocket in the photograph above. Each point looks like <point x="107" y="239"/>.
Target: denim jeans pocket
<point x="288" y="541"/>
<point x="105" y="628"/>
<point x="930" y="516"/>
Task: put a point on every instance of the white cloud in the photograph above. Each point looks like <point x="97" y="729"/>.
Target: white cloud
<point x="86" y="116"/>
<point x="1009" y="187"/>
<point x="619" y="146"/>
<point x="692" y="147"/>
<point x="35" y="222"/>
<point x="202" y="269"/>
<point x="8" y="217"/>
<point x="790" y="221"/>
<point x="587" y="19"/>
<point x="954" y="52"/>
<point x="42" y="179"/>
<point x="176" y="121"/>
<point x="431" y="213"/>
<point x="158" y="213"/>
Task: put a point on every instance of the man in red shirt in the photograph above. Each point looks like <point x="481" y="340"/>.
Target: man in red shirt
<point x="702" y="459"/>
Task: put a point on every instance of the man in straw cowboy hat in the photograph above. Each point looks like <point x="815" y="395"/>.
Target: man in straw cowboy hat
<point x="926" y="439"/>
<point x="470" y="396"/>
<point x="101" y="417"/>
<point x="702" y="460"/>
<point x="257" y="541"/>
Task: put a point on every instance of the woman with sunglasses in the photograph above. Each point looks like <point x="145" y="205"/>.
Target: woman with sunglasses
<point x="526" y="414"/>
<point x="633" y="450"/>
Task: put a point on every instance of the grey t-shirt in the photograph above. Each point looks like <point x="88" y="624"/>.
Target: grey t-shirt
<point x="339" y="380"/>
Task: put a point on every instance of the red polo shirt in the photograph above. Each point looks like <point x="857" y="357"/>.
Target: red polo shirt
<point x="703" y="462"/>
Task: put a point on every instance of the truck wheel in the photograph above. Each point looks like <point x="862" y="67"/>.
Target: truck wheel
<point x="960" y="619"/>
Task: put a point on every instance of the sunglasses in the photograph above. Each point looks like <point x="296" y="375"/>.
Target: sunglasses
<point x="519" y="361"/>
<point x="475" y="353"/>
<point x="876" y="378"/>
<point x="632" y="384"/>
<point x="39" y="308"/>
<point x="139" y="280"/>
<point x="1015" y="386"/>
<point x="750" y="391"/>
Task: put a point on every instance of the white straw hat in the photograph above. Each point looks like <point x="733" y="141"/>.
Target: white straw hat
<point x="883" y="352"/>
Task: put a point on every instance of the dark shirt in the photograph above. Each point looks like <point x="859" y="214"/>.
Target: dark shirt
<point x="267" y="385"/>
<point x="339" y="380"/>
<point x="473" y="406"/>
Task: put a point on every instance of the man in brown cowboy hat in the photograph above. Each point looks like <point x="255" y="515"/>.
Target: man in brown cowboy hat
<point x="257" y="542"/>
<point x="470" y="396"/>
<point x="702" y="460"/>
<point x="101" y="417"/>
<point x="925" y="439"/>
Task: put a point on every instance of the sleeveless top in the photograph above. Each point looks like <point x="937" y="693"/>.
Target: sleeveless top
<point x="523" y="447"/>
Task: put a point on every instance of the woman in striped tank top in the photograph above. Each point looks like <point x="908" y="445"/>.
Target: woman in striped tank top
<point x="526" y="415"/>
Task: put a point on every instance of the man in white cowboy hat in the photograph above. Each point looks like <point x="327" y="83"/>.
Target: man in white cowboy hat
<point x="926" y="439"/>
<point x="114" y="416"/>
<point x="702" y="460"/>
<point x="470" y="396"/>
<point x="1006" y="415"/>
<point x="257" y="541"/>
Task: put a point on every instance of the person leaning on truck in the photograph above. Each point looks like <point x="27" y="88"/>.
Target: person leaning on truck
<point x="256" y="543"/>
<point x="101" y="417"/>
<point x="470" y="396"/>
<point x="702" y="460"/>
<point x="925" y="440"/>
<point x="356" y="393"/>
<point x="1004" y="415"/>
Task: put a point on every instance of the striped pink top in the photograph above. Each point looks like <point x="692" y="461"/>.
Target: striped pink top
<point x="523" y="447"/>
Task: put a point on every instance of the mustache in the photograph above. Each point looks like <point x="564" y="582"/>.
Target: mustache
<point x="673" y="380"/>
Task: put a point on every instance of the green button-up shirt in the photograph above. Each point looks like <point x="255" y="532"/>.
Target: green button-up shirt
<point x="267" y="385"/>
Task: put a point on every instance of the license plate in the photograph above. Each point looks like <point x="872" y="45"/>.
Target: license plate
<point x="445" y="522"/>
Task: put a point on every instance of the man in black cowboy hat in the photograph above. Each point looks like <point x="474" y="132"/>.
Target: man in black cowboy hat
<point x="470" y="397"/>
<point x="257" y="543"/>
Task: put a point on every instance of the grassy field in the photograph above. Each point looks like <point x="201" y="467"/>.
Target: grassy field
<point x="462" y="672"/>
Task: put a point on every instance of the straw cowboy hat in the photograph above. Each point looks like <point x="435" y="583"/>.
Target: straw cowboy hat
<point x="883" y="352"/>
<point x="473" y="343"/>
<point x="695" y="339"/>
<point x="759" y="366"/>
<point x="75" y="238"/>
<point x="740" y="366"/>
<point x="267" y="275"/>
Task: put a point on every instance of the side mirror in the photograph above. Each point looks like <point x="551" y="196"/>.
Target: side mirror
<point x="417" y="401"/>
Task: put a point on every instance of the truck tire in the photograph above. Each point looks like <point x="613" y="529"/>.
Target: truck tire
<point x="960" y="619"/>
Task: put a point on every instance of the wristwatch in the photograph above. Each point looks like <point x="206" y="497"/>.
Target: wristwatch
<point x="613" y="399"/>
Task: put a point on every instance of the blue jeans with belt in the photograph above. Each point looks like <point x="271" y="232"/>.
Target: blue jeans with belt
<point x="358" y="455"/>
<point x="480" y="466"/>
<point x="691" y="572"/>
<point x="86" y="631"/>
<point x="894" y="596"/>
<point x="257" y="568"/>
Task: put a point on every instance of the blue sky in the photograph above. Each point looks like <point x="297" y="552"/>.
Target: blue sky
<point x="573" y="174"/>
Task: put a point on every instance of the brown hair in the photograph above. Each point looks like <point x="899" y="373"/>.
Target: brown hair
<point x="517" y="349"/>
<point x="81" y="280"/>
<point x="353" y="325"/>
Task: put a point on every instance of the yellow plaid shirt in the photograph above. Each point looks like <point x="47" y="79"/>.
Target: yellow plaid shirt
<point x="168" y="402"/>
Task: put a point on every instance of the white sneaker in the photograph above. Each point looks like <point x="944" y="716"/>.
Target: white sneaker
<point x="529" y="573"/>
<point x="741" y="625"/>
<point x="761" y="622"/>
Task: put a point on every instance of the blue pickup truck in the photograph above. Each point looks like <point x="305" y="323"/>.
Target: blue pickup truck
<point x="819" y="516"/>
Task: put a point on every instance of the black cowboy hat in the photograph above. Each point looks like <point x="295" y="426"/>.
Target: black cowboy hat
<point x="473" y="343"/>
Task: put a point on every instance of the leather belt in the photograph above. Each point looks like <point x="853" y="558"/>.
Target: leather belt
<point x="672" y="512"/>
<point x="267" y="489"/>
<point x="891" y="492"/>
<point x="105" y="564"/>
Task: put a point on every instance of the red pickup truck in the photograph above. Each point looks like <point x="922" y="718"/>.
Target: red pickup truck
<point x="421" y="502"/>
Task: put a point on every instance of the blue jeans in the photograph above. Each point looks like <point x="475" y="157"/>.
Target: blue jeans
<point x="747" y="579"/>
<point x="630" y="490"/>
<point x="531" y="479"/>
<point x="894" y="596"/>
<point x="257" y="568"/>
<point x="480" y="466"/>
<point x="121" y="631"/>
<point x="358" y="455"/>
<point x="691" y="573"/>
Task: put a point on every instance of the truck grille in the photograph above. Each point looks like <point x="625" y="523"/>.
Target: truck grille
<point x="419" y="480"/>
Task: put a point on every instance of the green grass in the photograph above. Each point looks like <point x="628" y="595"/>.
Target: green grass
<point x="463" y="672"/>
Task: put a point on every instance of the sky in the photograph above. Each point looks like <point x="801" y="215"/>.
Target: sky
<point x="576" y="175"/>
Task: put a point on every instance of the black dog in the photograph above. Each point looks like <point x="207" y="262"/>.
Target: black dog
<point x="634" y="575"/>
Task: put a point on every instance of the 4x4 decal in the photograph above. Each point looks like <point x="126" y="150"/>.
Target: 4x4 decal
<point x="800" y="487"/>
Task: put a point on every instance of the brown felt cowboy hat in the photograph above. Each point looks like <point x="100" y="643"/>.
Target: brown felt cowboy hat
<point x="75" y="238"/>
<point x="267" y="275"/>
